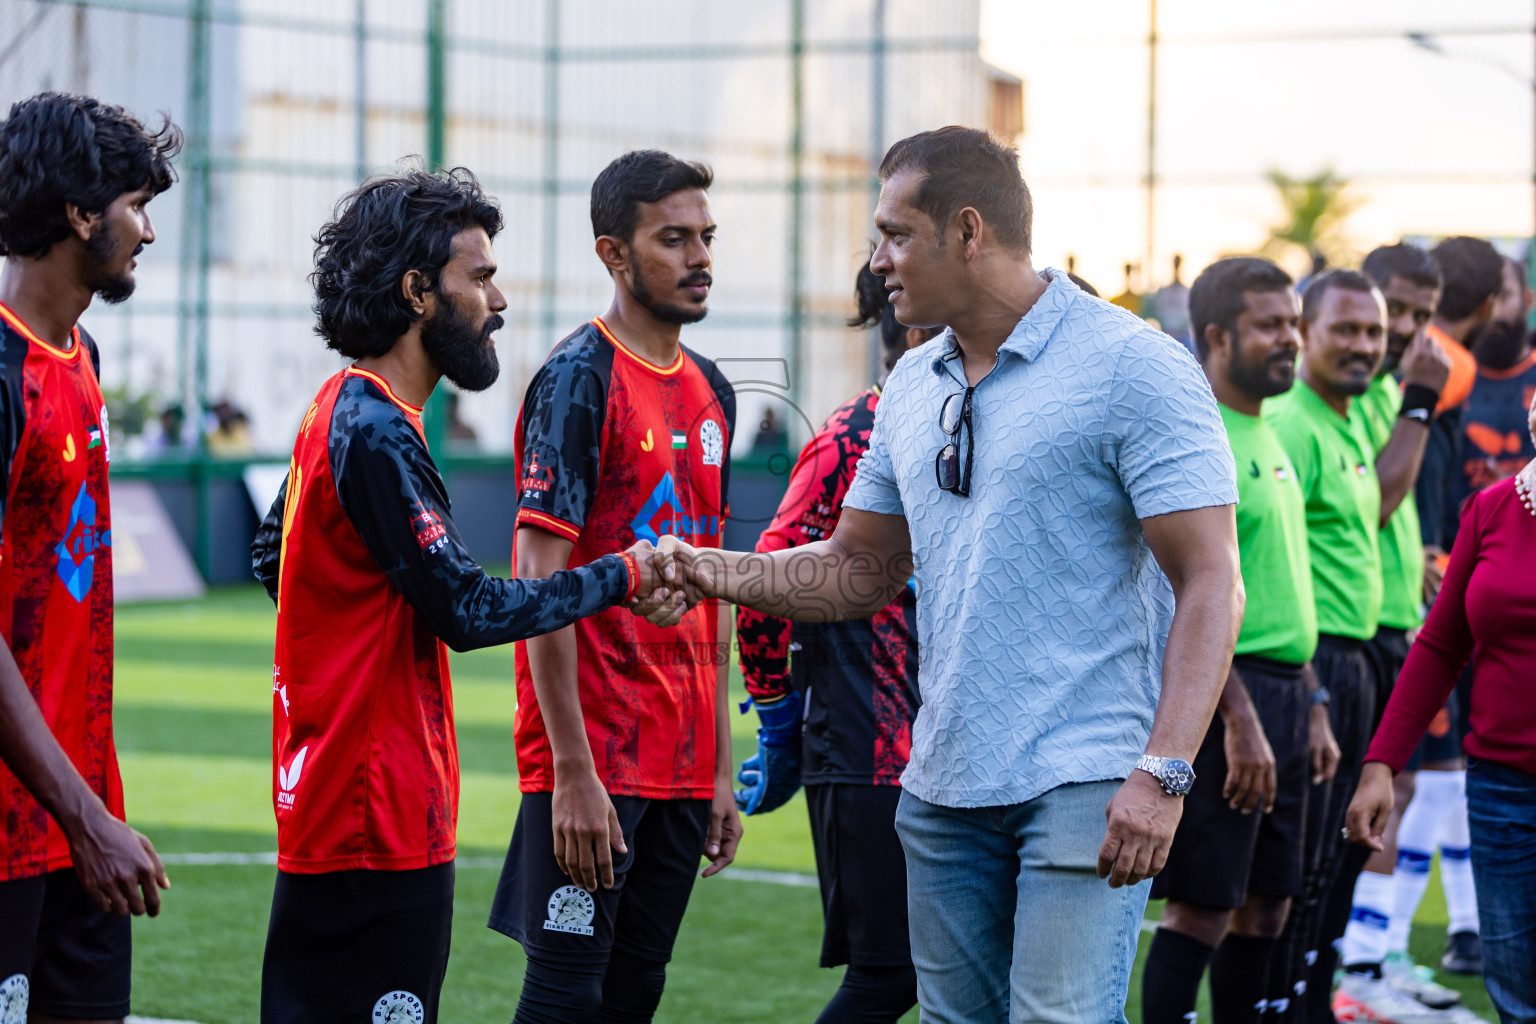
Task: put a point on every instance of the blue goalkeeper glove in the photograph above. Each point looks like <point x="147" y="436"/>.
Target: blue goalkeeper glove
<point x="772" y="775"/>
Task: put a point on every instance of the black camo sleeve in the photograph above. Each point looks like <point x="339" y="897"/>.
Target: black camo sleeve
<point x="563" y="416"/>
<point x="13" y="409"/>
<point x="266" y="548"/>
<point x="392" y="493"/>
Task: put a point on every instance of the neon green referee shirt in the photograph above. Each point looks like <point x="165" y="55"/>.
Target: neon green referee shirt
<point x="1280" y="621"/>
<point x="1402" y="548"/>
<point x="1336" y="465"/>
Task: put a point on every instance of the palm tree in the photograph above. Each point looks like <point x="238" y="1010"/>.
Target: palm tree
<point x="1316" y="208"/>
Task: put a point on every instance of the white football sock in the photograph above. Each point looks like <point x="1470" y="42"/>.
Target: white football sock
<point x="1456" y="862"/>
<point x="1365" y="937"/>
<point x="1417" y="835"/>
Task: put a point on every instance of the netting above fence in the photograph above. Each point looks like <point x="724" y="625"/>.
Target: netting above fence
<point x="288" y="104"/>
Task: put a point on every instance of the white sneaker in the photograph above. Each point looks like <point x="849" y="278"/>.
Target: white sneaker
<point x="1365" y="1000"/>
<point x="1417" y="982"/>
<point x="1462" y="1015"/>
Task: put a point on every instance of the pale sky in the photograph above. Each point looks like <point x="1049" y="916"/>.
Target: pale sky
<point x="1435" y="144"/>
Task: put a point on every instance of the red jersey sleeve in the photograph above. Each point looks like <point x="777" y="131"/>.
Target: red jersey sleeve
<point x="1438" y="655"/>
<point x="563" y="417"/>
<point x="807" y="513"/>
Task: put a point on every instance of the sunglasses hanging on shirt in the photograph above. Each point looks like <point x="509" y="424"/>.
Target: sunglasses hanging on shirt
<point x="953" y="415"/>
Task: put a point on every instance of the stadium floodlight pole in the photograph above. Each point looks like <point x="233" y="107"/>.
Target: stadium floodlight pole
<point x="1431" y="44"/>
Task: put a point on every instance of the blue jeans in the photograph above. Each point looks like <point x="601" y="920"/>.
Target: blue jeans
<point x="1010" y="923"/>
<point x="1501" y="811"/>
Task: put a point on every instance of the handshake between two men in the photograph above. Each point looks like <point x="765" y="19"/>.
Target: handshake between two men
<point x="822" y="582"/>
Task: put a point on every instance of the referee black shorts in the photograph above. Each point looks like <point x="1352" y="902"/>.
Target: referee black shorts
<point x="61" y="955"/>
<point x="863" y="873"/>
<point x="1386" y="652"/>
<point x="1220" y="855"/>
<point x="357" y="947"/>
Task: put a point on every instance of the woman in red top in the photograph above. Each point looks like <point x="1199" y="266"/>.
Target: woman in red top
<point x="1485" y="613"/>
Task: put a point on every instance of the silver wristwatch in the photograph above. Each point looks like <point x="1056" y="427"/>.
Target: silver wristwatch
<point x="1176" y="777"/>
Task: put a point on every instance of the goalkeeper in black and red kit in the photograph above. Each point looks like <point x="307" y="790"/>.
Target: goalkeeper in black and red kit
<point x="854" y="685"/>
<point x="373" y="584"/>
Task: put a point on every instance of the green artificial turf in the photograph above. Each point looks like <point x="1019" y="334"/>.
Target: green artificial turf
<point x="193" y="721"/>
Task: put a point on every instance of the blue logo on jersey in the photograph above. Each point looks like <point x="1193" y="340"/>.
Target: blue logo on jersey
<point x="77" y="551"/>
<point x="673" y="518"/>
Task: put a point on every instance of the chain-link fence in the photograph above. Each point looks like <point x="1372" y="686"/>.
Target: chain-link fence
<point x="289" y="103"/>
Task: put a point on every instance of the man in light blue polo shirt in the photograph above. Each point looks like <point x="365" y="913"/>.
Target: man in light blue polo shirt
<point x="1050" y="464"/>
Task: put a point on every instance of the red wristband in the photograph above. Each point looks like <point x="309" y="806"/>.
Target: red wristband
<point x="633" y="568"/>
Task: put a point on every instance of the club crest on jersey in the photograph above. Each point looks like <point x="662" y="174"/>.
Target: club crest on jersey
<point x="535" y="480"/>
<point x="288" y="778"/>
<point x="663" y="513"/>
<point x="431" y="535"/>
<point x="77" y="551"/>
<point x="571" y="910"/>
<point x="14" y="993"/>
<point x="712" y="441"/>
<point x="398" y="1007"/>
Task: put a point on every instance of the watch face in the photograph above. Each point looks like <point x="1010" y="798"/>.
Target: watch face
<point x="1178" y="776"/>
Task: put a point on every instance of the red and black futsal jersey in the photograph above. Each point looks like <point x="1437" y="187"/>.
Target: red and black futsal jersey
<point x="861" y="675"/>
<point x="55" y="574"/>
<point x="373" y="585"/>
<point x="613" y="449"/>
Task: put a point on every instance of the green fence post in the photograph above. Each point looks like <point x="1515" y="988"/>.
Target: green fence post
<point x="192" y="285"/>
<point x="434" y="417"/>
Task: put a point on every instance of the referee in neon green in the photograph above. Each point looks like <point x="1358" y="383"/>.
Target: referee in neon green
<point x="1323" y="429"/>
<point x="1237" y="858"/>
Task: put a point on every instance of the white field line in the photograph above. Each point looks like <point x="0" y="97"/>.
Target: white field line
<point x="790" y="878"/>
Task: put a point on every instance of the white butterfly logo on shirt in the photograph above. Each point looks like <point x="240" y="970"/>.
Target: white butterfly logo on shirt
<point x="288" y="777"/>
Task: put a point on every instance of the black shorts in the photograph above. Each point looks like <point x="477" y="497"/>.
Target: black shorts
<point x="1386" y="652"/>
<point x="60" y="955"/>
<point x="357" y="946"/>
<point x="541" y="907"/>
<point x="1219" y="855"/>
<point x="863" y="874"/>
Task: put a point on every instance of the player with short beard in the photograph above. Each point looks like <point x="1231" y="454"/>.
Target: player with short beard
<point x="623" y="741"/>
<point x="1236" y="860"/>
<point x="76" y="176"/>
<point x="373" y="584"/>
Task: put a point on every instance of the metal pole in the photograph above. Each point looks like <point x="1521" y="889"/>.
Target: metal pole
<point x="796" y="196"/>
<point x="1151" y="179"/>
<point x="876" y="146"/>
<point x="550" y="269"/>
<point x="433" y="427"/>
<point x="80" y="62"/>
<point x="194" y="265"/>
<point x="437" y="84"/>
<point x="360" y="89"/>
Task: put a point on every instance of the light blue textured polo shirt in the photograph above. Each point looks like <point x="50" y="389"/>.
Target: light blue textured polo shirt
<point x="1042" y="611"/>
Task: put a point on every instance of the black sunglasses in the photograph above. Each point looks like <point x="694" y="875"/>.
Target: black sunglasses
<point x="954" y="414"/>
